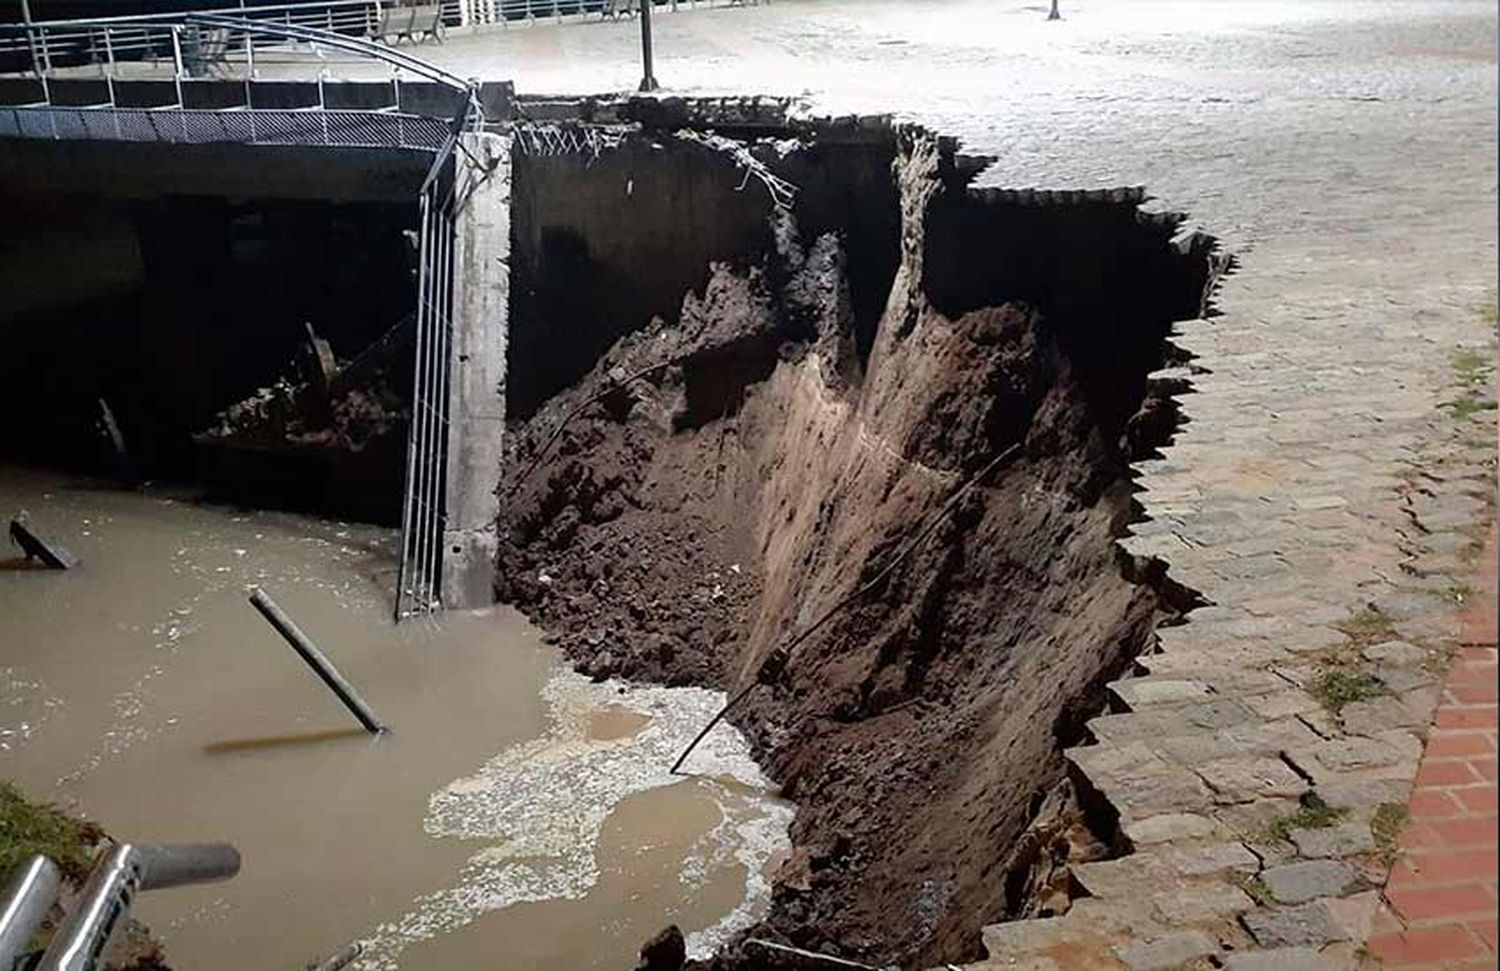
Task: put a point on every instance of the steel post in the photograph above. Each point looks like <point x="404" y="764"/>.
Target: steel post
<point x="648" y="76"/>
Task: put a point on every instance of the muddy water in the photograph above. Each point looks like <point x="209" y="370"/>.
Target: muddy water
<point x="517" y="816"/>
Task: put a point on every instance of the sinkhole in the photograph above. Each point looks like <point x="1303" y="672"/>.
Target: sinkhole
<point x="755" y="368"/>
<point x="749" y="369"/>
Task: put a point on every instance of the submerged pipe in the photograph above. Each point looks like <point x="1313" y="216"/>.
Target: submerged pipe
<point x="323" y="667"/>
<point x="28" y="897"/>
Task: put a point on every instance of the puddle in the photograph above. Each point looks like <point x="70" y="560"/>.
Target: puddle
<point x="615" y="721"/>
<point x="569" y="817"/>
<point x="143" y="691"/>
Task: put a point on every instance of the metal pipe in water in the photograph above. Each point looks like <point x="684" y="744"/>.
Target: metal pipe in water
<point x="323" y="667"/>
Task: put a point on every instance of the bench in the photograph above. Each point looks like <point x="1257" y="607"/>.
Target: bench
<point x="414" y="23"/>
<point x="205" y="51"/>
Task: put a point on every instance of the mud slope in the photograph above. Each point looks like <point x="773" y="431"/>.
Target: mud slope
<point x="687" y="521"/>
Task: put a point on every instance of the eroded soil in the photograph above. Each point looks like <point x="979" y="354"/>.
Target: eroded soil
<point x="714" y="486"/>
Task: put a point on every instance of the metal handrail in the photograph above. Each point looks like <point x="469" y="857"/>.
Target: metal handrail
<point x="37" y="47"/>
<point x="470" y="113"/>
<point x="238" y="10"/>
<point x="82" y="939"/>
<point x="339" y="41"/>
<point x="355" y="16"/>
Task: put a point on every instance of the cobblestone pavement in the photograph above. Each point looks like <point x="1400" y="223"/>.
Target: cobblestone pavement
<point x="1338" y="463"/>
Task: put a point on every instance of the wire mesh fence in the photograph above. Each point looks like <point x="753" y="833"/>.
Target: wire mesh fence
<point x="331" y="128"/>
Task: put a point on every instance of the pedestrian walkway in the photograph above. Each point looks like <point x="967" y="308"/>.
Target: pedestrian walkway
<point x="1440" y="898"/>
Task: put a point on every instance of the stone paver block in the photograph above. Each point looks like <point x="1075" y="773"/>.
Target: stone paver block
<point x="1395" y="653"/>
<point x="1192" y="903"/>
<point x="1250" y="778"/>
<point x="1243" y="684"/>
<point x="1131" y="916"/>
<point x="1168" y="826"/>
<point x="1334" y="841"/>
<point x="1330" y="759"/>
<point x="1137" y="726"/>
<point x="1306" y="925"/>
<point x="1355" y="915"/>
<point x="1105" y="760"/>
<point x="1139" y="693"/>
<point x="1405" y="741"/>
<point x="1362" y="792"/>
<point x="1378" y="715"/>
<point x="1298" y="883"/>
<point x="1014" y="939"/>
<point x="1170" y="789"/>
<point x="1312" y="638"/>
<point x="1167" y="951"/>
<point x="1279" y="704"/>
<point x="1206" y="858"/>
<point x="1284" y="959"/>
<point x="1423" y="701"/>
<point x="1122" y="877"/>
<point x="1268" y="737"/>
<point x="1399" y="680"/>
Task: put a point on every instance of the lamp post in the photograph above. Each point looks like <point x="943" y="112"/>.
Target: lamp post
<point x="1054" y="15"/>
<point x="648" y="77"/>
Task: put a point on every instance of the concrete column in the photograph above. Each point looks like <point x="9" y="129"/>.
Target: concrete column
<point x="476" y="398"/>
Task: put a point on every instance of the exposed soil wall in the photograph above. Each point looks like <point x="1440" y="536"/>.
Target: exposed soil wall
<point x="603" y="242"/>
<point x="686" y="522"/>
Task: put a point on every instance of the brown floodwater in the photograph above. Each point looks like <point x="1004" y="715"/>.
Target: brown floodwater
<point x="516" y="816"/>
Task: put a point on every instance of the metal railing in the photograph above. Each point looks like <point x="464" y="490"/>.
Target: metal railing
<point x="172" y="120"/>
<point x="145" y="45"/>
<point x="138" y="45"/>
<point x="82" y="940"/>
<point x="186" y="47"/>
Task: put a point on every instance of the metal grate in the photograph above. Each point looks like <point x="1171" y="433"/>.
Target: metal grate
<point x="189" y="126"/>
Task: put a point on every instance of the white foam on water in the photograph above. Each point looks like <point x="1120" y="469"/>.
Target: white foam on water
<point x="543" y="805"/>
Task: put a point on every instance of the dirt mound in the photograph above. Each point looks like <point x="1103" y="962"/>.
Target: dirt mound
<point x="710" y="488"/>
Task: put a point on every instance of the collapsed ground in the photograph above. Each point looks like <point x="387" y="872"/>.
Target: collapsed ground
<point x="681" y="498"/>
